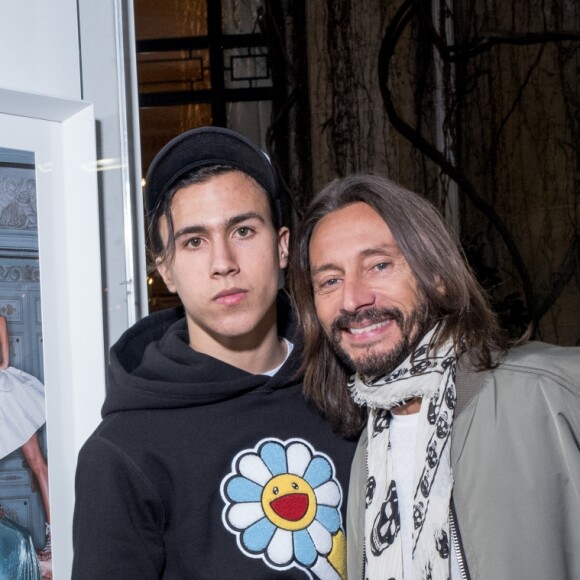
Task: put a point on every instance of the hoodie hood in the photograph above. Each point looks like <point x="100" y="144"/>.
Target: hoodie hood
<point x="153" y="367"/>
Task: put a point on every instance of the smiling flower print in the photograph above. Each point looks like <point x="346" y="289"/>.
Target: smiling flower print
<point x="283" y="503"/>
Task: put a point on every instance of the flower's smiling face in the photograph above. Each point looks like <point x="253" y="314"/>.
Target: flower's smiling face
<point x="289" y="502"/>
<point x="282" y="501"/>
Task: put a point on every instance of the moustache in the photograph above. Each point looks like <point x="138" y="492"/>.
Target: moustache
<point x="369" y="315"/>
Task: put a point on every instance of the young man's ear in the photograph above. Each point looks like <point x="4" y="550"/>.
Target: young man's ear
<point x="283" y="243"/>
<point x="165" y="273"/>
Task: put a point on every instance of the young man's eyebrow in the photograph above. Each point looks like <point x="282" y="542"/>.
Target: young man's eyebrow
<point x="229" y="223"/>
<point x="237" y="219"/>
<point x="189" y="230"/>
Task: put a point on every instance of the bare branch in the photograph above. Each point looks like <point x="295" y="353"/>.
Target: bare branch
<point x="403" y="17"/>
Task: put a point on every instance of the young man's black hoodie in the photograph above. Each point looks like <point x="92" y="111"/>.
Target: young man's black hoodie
<point x="202" y="470"/>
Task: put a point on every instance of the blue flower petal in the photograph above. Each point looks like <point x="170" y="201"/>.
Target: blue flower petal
<point x="241" y="489"/>
<point x="274" y="456"/>
<point x="304" y="548"/>
<point x="318" y="472"/>
<point x="257" y="537"/>
<point x="328" y="517"/>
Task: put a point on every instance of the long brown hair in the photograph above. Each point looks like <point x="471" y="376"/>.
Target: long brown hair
<point x="435" y="258"/>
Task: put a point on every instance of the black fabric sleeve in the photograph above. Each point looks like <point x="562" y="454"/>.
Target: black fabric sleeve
<point x="118" y="518"/>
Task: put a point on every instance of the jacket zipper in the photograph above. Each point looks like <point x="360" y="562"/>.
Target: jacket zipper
<point x="457" y="543"/>
<point x="364" y="550"/>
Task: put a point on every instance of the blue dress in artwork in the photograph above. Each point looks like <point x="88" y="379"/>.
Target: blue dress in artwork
<point x="18" y="559"/>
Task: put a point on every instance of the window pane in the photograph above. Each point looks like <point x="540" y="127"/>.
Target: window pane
<point x="251" y="118"/>
<point x="170" y="18"/>
<point x="160" y="124"/>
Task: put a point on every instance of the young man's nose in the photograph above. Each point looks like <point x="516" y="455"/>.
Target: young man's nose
<point x="224" y="260"/>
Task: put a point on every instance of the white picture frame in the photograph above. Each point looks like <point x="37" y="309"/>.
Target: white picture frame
<point x="61" y="134"/>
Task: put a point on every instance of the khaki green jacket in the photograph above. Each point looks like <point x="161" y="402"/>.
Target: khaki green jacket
<point x="515" y="455"/>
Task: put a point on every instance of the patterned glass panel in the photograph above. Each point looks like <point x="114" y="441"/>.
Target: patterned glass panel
<point x="246" y="68"/>
<point x="178" y="70"/>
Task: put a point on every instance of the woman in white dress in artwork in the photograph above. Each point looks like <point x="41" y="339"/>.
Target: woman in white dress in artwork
<point x="22" y="413"/>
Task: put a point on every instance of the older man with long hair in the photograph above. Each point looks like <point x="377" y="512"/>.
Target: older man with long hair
<point x="469" y="464"/>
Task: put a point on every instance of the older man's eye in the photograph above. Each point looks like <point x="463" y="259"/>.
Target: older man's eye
<point x="329" y="283"/>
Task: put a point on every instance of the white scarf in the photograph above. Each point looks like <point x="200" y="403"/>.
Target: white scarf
<point x="429" y="374"/>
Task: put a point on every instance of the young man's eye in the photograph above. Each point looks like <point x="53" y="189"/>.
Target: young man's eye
<point x="244" y="231"/>
<point x="194" y="242"/>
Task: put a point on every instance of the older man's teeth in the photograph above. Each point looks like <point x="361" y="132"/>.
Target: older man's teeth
<point x="368" y="328"/>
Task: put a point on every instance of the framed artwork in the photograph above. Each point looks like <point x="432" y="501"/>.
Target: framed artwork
<point x="24" y="485"/>
<point x="51" y="321"/>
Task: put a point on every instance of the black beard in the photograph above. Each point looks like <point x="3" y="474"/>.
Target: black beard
<point x="413" y="328"/>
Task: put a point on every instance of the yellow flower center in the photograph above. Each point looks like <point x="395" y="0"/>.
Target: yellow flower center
<point x="289" y="502"/>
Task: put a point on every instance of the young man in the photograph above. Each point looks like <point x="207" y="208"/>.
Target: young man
<point x="470" y="463"/>
<point x="209" y="463"/>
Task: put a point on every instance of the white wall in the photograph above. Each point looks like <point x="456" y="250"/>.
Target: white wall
<point x="39" y="45"/>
